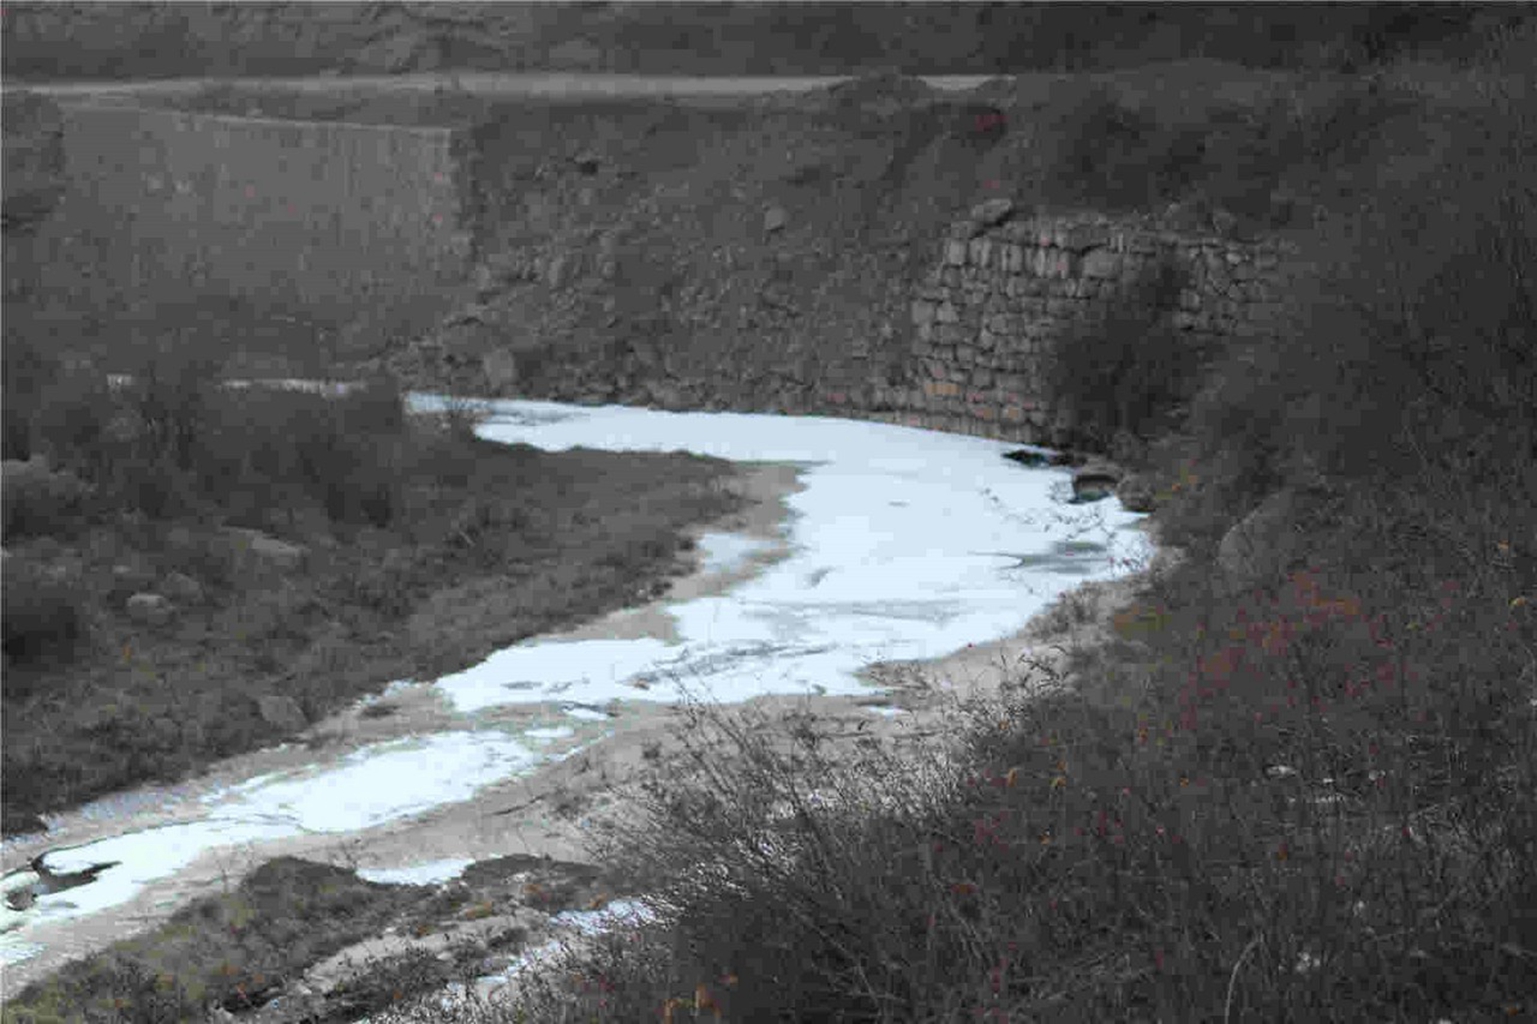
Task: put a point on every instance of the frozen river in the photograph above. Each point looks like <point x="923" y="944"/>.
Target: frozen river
<point x="901" y="545"/>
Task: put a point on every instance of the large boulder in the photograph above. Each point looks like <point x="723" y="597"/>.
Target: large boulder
<point x="1136" y="493"/>
<point x="1266" y="540"/>
<point x="266" y="550"/>
<point x="150" y="609"/>
<point x="1094" y="482"/>
<point x="281" y="712"/>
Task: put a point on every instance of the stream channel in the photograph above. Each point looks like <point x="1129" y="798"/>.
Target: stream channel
<point x="868" y="545"/>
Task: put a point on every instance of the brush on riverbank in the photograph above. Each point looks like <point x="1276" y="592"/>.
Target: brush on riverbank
<point x="238" y="564"/>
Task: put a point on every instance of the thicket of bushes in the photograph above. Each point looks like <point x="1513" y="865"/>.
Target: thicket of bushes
<point x="1127" y="376"/>
<point x="171" y="441"/>
<point x="1267" y="163"/>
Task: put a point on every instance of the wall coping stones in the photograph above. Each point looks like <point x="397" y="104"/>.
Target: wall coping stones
<point x="992" y="212"/>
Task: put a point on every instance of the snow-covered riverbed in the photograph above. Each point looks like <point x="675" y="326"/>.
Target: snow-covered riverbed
<point x="902" y="545"/>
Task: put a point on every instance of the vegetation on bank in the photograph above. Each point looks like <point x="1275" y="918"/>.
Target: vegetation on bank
<point x="1300" y="783"/>
<point x="300" y="550"/>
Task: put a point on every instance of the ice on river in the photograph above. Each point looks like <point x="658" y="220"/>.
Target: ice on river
<point x="369" y="787"/>
<point x="906" y="545"/>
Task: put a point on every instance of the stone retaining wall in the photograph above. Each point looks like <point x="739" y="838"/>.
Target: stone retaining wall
<point x="317" y="214"/>
<point x="1002" y="290"/>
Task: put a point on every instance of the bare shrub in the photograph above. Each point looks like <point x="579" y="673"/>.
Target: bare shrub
<point x="1130" y="372"/>
<point x="44" y="615"/>
<point x="35" y="501"/>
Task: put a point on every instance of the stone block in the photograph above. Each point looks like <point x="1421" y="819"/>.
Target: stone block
<point x="993" y="211"/>
<point x="981" y="377"/>
<point x="979" y="252"/>
<point x="1101" y="263"/>
<point x="923" y="333"/>
<point x="950" y="277"/>
<point x="950" y="334"/>
<point x="1013" y="259"/>
<point x="947" y="313"/>
<point x="263" y="548"/>
<point x="500" y="368"/>
<point x="183" y="589"/>
<point x="150" y="609"/>
<point x="955" y="253"/>
<point x="923" y="312"/>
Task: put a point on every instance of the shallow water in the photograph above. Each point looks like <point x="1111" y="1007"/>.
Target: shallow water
<point x="903" y="544"/>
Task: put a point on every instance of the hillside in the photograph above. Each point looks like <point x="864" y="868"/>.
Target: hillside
<point x="139" y="40"/>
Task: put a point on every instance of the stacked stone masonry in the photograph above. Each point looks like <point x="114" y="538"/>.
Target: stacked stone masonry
<point x="1001" y="291"/>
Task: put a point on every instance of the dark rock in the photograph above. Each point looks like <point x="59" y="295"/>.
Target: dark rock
<point x="1037" y="458"/>
<point x="1093" y="485"/>
<point x="983" y="122"/>
<point x="1136" y="493"/>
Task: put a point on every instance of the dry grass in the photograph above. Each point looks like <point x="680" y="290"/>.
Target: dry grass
<point x="425" y="549"/>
